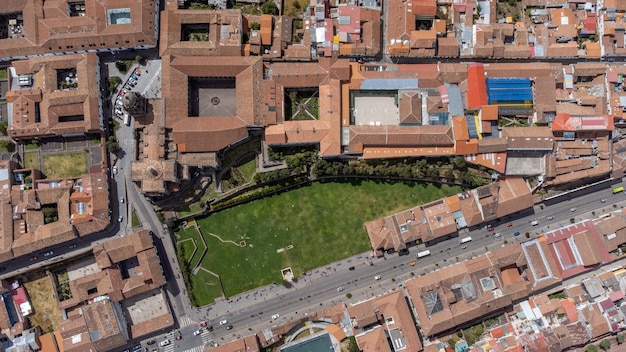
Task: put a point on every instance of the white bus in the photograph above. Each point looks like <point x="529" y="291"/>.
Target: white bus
<point x="465" y="239"/>
<point x="422" y="254"/>
<point x="127" y="119"/>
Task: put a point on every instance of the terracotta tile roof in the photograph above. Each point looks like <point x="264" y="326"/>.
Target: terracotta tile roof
<point x="49" y="28"/>
<point x="244" y="344"/>
<point x="374" y="340"/>
<point x="528" y="137"/>
<point x="410" y="108"/>
<point x="98" y="326"/>
<point x="567" y="122"/>
<point x="489" y="113"/>
<point x="441" y="306"/>
<point x="402" y="136"/>
<point x="208" y="134"/>
<point x="224" y="29"/>
<point x="393" y="312"/>
<point x="39" y="111"/>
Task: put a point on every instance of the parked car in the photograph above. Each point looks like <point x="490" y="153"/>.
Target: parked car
<point x="137" y="72"/>
<point x="133" y="76"/>
<point x="122" y="200"/>
<point x="136" y="347"/>
<point x="48" y="253"/>
<point x="164" y="343"/>
<point x="115" y="172"/>
<point x="33" y="258"/>
<point x="120" y="219"/>
<point x="223" y="322"/>
<point x="275" y="316"/>
<point x="151" y="342"/>
<point x="72" y="246"/>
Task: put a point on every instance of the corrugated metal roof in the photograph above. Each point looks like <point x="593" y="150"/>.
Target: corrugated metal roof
<point x="389" y="84"/>
<point x="455" y="104"/>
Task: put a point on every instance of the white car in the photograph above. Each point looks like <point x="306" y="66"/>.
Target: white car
<point x="275" y="316"/>
<point x="340" y="288"/>
<point x="164" y="343"/>
<point x="223" y="322"/>
<point x="377" y="277"/>
<point x="115" y="170"/>
<point x="197" y="332"/>
<point x="122" y="200"/>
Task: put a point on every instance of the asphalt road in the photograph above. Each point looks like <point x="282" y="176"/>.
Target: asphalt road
<point x="312" y="295"/>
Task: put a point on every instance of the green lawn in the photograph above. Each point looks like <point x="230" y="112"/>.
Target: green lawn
<point x="191" y="233"/>
<point x="188" y="246"/>
<point x="134" y="219"/>
<point x="31" y="160"/>
<point x="3" y="73"/>
<point x="323" y="222"/>
<point x="205" y="285"/>
<point x="65" y="165"/>
<point x="248" y="168"/>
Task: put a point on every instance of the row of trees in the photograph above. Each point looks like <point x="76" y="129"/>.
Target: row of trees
<point x="454" y="170"/>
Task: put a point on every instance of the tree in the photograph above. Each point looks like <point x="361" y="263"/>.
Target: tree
<point x="605" y="344"/>
<point x="3" y="127"/>
<point x="269" y="8"/>
<point x="352" y="345"/>
<point x="255" y="26"/>
<point x="620" y="339"/>
<point x="50" y="214"/>
<point x="591" y="348"/>
<point x="140" y="59"/>
<point x="121" y="66"/>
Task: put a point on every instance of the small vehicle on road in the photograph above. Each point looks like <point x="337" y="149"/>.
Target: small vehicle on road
<point x="340" y="288"/>
<point x="275" y="316"/>
<point x="464" y="246"/>
<point x="223" y="322"/>
<point x="516" y="233"/>
<point x="535" y="222"/>
<point x="122" y="200"/>
<point x="509" y="224"/>
<point x="229" y="327"/>
<point x="115" y="170"/>
<point x="550" y="217"/>
<point x="490" y="229"/>
<point x="72" y="246"/>
<point x="197" y="332"/>
<point x="499" y="234"/>
<point x="48" y="253"/>
<point x="351" y="268"/>
<point x="572" y="209"/>
<point x="412" y="263"/>
<point x="202" y="324"/>
<point x="377" y="277"/>
<point x="603" y="200"/>
<point x="33" y="258"/>
<point x="179" y="337"/>
<point x="120" y="219"/>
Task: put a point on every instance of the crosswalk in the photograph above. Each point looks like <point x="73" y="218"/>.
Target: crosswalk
<point x="185" y="321"/>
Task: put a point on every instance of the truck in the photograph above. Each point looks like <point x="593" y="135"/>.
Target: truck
<point x="465" y="239"/>
<point x="422" y="254"/>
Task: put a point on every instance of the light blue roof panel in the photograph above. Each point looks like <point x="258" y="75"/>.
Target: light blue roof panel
<point x="389" y="84"/>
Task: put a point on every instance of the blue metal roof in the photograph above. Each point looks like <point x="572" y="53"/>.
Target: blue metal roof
<point x="509" y="89"/>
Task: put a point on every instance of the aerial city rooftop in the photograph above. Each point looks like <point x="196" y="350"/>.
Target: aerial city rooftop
<point x="532" y="91"/>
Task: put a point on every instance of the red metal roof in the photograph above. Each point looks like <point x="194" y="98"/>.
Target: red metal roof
<point x="476" y="87"/>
